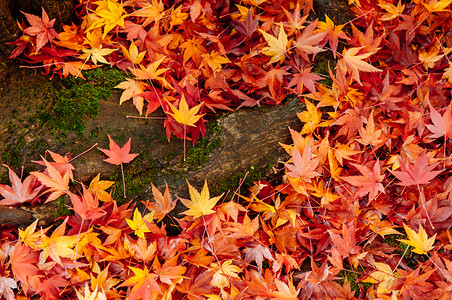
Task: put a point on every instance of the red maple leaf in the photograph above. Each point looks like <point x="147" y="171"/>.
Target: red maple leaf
<point x="418" y="173"/>
<point x="369" y="182"/>
<point x="42" y="28"/>
<point x="305" y="78"/>
<point x="442" y="125"/>
<point x="118" y="155"/>
<point x="19" y="192"/>
<point x="23" y="260"/>
<point x="86" y="206"/>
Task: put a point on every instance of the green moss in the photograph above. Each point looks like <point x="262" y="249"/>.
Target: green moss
<point x="320" y="67"/>
<point x="138" y="174"/>
<point x="231" y="183"/>
<point x="199" y="154"/>
<point x="351" y="277"/>
<point x="75" y="99"/>
<point x="393" y="240"/>
<point x="61" y="208"/>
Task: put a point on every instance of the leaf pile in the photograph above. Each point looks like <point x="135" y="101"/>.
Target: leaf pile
<point x="367" y="191"/>
<point x="218" y="55"/>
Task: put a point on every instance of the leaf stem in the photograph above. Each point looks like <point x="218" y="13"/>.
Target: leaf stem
<point x="84" y="152"/>
<point x="123" y="182"/>
<point x="185" y="137"/>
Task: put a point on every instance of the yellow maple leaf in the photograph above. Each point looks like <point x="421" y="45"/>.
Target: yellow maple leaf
<point x="137" y="223"/>
<point x="437" y="5"/>
<point x="430" y="56"/>
<point x="420" y="241"/>
<point x="30" y="236"/>
<point x="111" y="14"/>
<point x="393" y="11"/>
<point x="177" y="17"/>
<point x="133" y="55"/>
<point x="276" y="46"/>
<point x="58" y="245"/>
<point x="184" y="115"/>
<point x="223" y="274"/>
<point x="200" y="204"/>
<point x="384" y="276"/>
<point x="96" y="54"/>
<point x="310" y="117"/>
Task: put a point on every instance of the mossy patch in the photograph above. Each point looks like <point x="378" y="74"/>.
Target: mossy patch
<point x="352" y="278"/>
<point x="75" y="99"/>
<point x="231" y="184"/>
<point x="61" y="208"/>
<point x="320" y="67"/>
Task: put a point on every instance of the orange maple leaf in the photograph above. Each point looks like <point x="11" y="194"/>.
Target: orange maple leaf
<point x="58" y="184"/>
<point x="143" y="284"/>
<point x="193" y="49"/>
<point x="163" y="203"/>
<point x="57" y="245"/>
<point x="353" y="63"/>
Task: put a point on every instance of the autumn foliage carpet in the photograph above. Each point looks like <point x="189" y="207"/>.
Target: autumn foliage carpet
<point x="364" y="208"/>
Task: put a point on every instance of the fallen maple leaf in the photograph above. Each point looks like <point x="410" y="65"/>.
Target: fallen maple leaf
<point x="133" y="55"/>
<point x="119" y="155"/>
<point x="369" y="182"/>
<point x="353" y="63"/>
<point x="42" y="28"/>
<point x="143" y="284"/>
<point x="384" y="276"/>
<point x="98" y="188"/>
<point x="257" y="254"/>
<point x="418" y="173"/>
<point x="163" y="203"/>
<point x="310" y="117"/>
<point x="86" y="206"/>
<point x="334" y="32"/>
<point x="138" y="223"/>
<point x="23" y="265"/>
<point x="200" y="204"/>
<point x="133" y="89"/>
<point x="303" y="165"/>
<point x="442" y="125"/>
<point x="19" y="192"/>
<point x="58" y="184"/>
<point x="111" y="15"/>
<point x="185" y="116"/>
<point x="276" y="46"/>
<point x="57" y="245"/>
<point x="420" y="241"/>
<point x="97" y="54"/>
